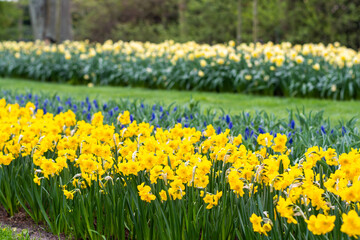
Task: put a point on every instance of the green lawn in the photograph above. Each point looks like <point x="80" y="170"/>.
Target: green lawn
<point x="231" y="103"/>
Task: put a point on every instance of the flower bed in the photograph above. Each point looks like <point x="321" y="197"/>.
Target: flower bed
<point x="309" y="70"/>
<point x="128" y="179"/>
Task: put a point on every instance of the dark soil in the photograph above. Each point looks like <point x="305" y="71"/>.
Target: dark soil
<point x="21" y="221"/>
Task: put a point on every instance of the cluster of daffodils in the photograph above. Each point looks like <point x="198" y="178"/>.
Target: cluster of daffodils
<point x="258" y="227"/>
<point x="315" y="70"/>
<point x="218" y="54"/>
<point x="170" y="164"/>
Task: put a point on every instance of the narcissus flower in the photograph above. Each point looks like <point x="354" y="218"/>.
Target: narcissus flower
<point x="351" y="224"/>
<point x="145" y="193"/>
<point x="285" y="209"/>
<point x="257" y="227"/>
<point x="321" y="224"/>
<point x="201" y="73"/>
<point x="124" y="118"/>
<point x="316" y="67"/>
<point x="265" y="139"/>
<point x="248" y="77"/>
<point x="212" y="199"/>
<point x="6" y="159"/>
<point x="69" y="194"/>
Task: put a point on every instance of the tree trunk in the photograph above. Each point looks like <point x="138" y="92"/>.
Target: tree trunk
<point x="51" y="19"/>
<point x="238" y="27"/>
<point x="255" y="22"/>
<point x="182" y="19"/>
<point x="37" y="16"/>
<point x="65" y="20"/>
<point x="50" y="23"/>
<point x="58" y="20"/>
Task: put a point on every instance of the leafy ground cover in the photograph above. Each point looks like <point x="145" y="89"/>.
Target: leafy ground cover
<point x="230" y="103"/>
<point x="309" y="70"/>
<point x="7" y="233"/>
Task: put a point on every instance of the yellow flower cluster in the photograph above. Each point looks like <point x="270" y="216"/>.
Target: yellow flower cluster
<point x="220" y="53"/>
<point x="285" y="209"/>
<point x="257" y="227"/>
<point x="212" y="199"/>
<point x="179" y="159"/>
<point x="6" y="159"/>
<point x="124" y="118"/>
<point x="145" y="193"/>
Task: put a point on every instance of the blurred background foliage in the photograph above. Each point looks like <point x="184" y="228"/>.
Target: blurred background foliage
<point x="14" y="21"/>
<point x="205" y="21"/>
